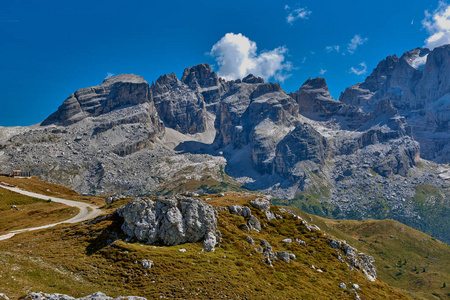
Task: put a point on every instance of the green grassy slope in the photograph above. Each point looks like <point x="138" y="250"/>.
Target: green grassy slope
<point x="81" y="259"/>
<point x="405" y="258"/>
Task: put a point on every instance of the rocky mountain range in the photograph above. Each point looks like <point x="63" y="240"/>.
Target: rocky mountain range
<point x="418" y="84"/>
<point x="358" y="157"/>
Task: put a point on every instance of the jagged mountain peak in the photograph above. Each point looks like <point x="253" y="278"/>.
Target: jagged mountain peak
<point x="115" y="92"/>
<point x="200" y="76"/>
<point x="250" y="78"/>
<point x="131" y="78"/>
<point x="167" y="79"/>
<point x="415" y="83"/>
<point x="314" y="83"/>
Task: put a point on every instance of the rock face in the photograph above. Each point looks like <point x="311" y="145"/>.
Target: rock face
<point x="114" y="93"/>
<point x="179" y="106"/>
<point x="206" y="83"/>
<point x="418" y="84"/>
<point x="170" y="221"/>
<point x="314" y="97"/>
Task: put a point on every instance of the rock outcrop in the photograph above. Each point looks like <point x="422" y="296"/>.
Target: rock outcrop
<point x="94" y="296"/>
<point x="170" y="221"/>
<point x="355" y="258"/>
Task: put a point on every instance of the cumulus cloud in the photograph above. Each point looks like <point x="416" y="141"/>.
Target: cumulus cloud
<point x="299" y="13"/>
<point x="361" y="70"/>
<point x="356" y="41"/>
<point x="438" y="26"/>
<point x="322" y="71"/>
<point x="236" y="55"/>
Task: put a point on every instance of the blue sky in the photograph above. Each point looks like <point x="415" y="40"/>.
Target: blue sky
<point x="49" y="49"/>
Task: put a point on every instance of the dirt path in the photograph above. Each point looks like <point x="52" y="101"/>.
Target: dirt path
<point x="87" y="211"/>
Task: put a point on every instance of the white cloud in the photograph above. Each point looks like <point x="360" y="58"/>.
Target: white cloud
<point x="438" y="26"/>
<point x="287" y="7"/>
<point x="109" y="75"/>
<point x="299" y="13"/>
<point x="359" y="71"/>
<point x="336" y="48"/>
<point x="237" y="57"/>
<point x="356" y="41"/>
<point x="322" y="71"/>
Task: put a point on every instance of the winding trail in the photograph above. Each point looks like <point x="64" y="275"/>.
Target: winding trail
<point x="87" y="211"/>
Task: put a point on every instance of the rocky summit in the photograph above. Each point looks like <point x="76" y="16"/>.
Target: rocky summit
<point x="363" y="156"/>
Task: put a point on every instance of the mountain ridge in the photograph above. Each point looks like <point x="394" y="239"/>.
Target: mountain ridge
<point x="126" y="136"/>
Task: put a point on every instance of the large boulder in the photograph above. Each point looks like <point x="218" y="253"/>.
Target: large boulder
<point x="169" y="220"/>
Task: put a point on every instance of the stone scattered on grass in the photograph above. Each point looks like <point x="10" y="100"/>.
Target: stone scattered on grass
<point x="250" y="240"/>
<point x="147" y="264"/>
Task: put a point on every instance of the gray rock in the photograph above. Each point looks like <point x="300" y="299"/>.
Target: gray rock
<point x="270" y="215"/>
<point x="243" y="211"/>
<point x="287" y="241"/>
<point x="244" y="227"/>
<point x="171" y="221"/>
<point x="262" y="204"/>
<point x="3" y="296"/>
<point x="342" y="286"/>
<point x="44" y="296"/>
<point x="210" y="242"/>
<point x="284" y="256"/>
<point x="334" y="243"/>
<point x="264" y="243"/>
<point x="110" y="200"/>
<point x="250" y="240"/>
<point x="268" y="261"/>
<point x="147" y="264"/>
<point x="254" y="223"/>
<point x="301" y="242"/>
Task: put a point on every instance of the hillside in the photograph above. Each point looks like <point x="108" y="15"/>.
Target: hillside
<point x="81" y="259"/>
<point x="404" y="257"/>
